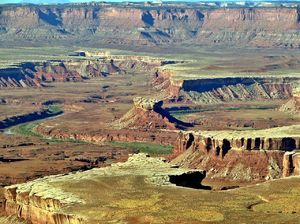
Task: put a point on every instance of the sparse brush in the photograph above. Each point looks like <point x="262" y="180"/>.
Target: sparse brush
<point x="11" y="220"/>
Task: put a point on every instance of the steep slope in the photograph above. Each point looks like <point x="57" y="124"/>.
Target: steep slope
<point x="233" y="89"/>
<point x="206" y="90"/>
<point x="38" y="73"/>
<point x="45" y="201"/>
<point x="141" y="25"/>
<point x="292" y="106"/>
<point x="148" y="114"/>
<point x="233" y="157"/>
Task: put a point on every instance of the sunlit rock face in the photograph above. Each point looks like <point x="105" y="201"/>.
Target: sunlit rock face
<point x="238" y="158"/>
<point x="147" y="104"/>
<point x="212" y="90"/>
<point x="292" y="106"/>
<point x="148" y="114"/>
<point x="267" y="27"/>
<point x="38" y="74"/>
<point x="42" y="201"/>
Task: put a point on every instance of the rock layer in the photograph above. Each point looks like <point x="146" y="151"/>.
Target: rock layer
<point x="39" y="73"/>
<point x="227" y="89"/>
<point x="148" y="114"/>
<point x="194" y="140"/>
<point x="292" y="106"/>
<point x="102" y="135"/>
<point x="232" y="89"/>
<point x="245" y="158"/>
<point x="140" y="25"/>
<point x="42" y="201"/>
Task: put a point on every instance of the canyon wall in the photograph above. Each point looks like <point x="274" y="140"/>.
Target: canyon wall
<point x="123" y="135"/>
<point x="28" y="204"/>
<point x="148" y="114"/>
<point x="51" y="200"/>
<point x="231" y="89"/>
<point x="277" y="27"/>
<point x="227" y="89"/>
<point x="259" y="27"/>
<point x="222" y="146"/>
<point x="292" y="106"/>
<point x="38" y="73"/>
<point x="244" y="159"/>
<point x="15" y="77"/>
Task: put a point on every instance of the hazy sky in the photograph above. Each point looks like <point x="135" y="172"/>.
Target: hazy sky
<point x="57" y="1"/>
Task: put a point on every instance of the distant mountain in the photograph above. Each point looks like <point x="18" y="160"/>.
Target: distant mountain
<point x="76" y="1"/>
<point x="44" y="1"/>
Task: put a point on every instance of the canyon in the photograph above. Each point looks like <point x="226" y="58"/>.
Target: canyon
<point x="33" y="201"/>
<point x="40" y="73"/>
<point x="260" y="158"/>
<point x="226" y="89"/>
<point x="140" y="25"/>
<point x="34" y="116"/>
<point x="199" y="90"/>
<point x="147" y="186"/>
<point x="149" y="113"/>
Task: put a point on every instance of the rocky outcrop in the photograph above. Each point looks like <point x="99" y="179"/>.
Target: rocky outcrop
<point x="148" y="114"/>
<point x="102" y="135"/>
<point x="16" y="77"/>
<point x="31" y="202"/>
<point x="257" y="158"/>
<point x="147" y="104"/>
<point x="163" y="81"/>
<point x="47" y="200"/>
<point x="206" y="90"/>
<point x="227" y="89"/>
<point x="291" y="164"/>
<point x="194" y="140"/>
<point x="139" y="25"/>
<point x="292" y="106"/>
<point x="209" y="91"/>
<point x="38" y="73"/>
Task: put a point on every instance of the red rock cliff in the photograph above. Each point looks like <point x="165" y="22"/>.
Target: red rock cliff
<point x="246" y="159"/>
<point x="139" y="25"/>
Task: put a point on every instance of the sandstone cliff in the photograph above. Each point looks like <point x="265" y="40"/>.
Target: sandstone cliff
<point x="38" y="73"/>
<point x="226" y="89"/>
<point x="232" y="89"/>
<point x="123" y="135"/>
<point x="244" y="158"/>
<point x="148" y="114"/>
<point x="266" y="27"/>
<point x="48" y="200"/>
<point x="292" y="106"/>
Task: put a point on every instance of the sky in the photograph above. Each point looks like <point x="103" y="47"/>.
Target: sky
<point x="64" y="1"/>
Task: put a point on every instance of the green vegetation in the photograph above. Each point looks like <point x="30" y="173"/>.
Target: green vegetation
<point x="152" y="149"/>
<point x="54" y="109"/>
<point x="27" y="129"/>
